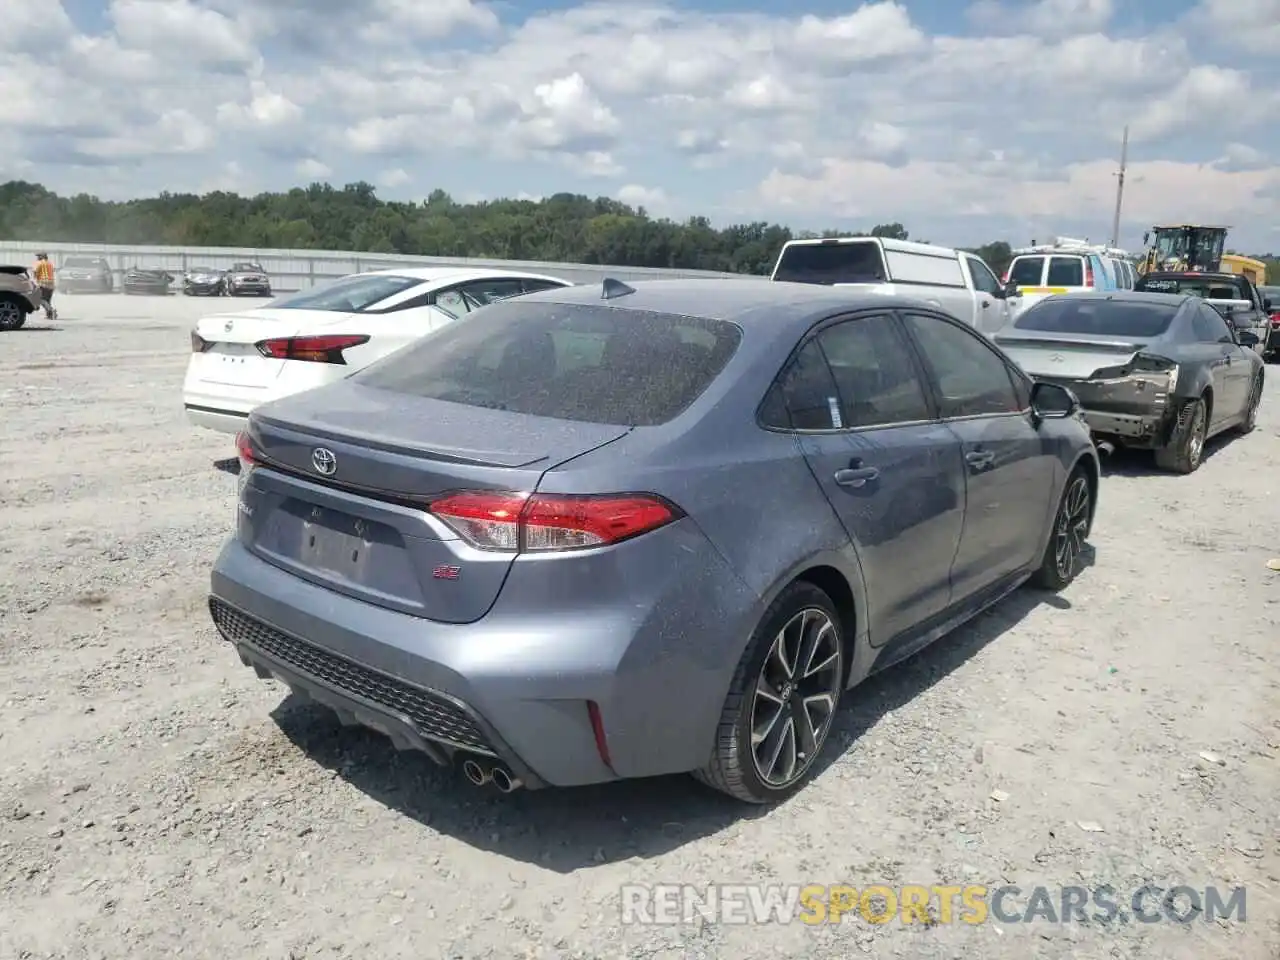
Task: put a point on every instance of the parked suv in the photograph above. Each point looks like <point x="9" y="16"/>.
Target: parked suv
<point x="86" y="275"/>
<point x="19" y="297"/>
<point x="246" y="279"/>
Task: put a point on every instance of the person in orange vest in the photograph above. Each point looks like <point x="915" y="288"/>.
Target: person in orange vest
<point x="44" y="280"/>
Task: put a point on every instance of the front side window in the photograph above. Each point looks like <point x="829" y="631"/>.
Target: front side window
<point x="596" y="364"/>
<point x="983" y="279"/>
<point x="970" y="377"/>
<point x="874" y="373"/>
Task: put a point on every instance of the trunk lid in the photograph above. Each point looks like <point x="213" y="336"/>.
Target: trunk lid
<point x="363" y="528"/>
<point x="1063" y="357"/>
<point x="233" y="360"/>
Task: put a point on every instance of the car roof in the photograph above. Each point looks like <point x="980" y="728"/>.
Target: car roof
<point x="1174" y="274"/>
<point x="1125" y="296"/>
<point x="445" y="275"/>
<point x="750" y="301"/>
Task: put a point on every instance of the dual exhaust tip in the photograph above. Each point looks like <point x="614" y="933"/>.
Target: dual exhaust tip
<point x="482" y="773"/>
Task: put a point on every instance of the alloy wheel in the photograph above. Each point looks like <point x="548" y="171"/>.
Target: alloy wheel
<point x="10" y="315"/>
<point x="1195" y="448"/>
<point x="795" y="697"/>
<point x="1071" y="528"/>
<point x="1255" y="400"/>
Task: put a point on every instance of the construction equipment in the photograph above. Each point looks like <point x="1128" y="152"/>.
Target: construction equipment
<point x="1255" y="270"/>
<point x="1183" y="247"/>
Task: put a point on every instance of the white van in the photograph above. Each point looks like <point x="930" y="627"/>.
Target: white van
<point x="958" y="282"/>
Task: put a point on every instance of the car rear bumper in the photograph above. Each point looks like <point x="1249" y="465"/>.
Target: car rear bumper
<point x="88" y="284"/>
<point x="216" y="418"/>
<point x="516" y="685"/>
<point x="1138" y="430"/>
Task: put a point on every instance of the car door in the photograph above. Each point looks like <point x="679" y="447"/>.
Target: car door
<point x="993" y="309"/>
<point x="1010" y="472"/>
<point x="892" y="474"/>
<point x="1230" y="364"/>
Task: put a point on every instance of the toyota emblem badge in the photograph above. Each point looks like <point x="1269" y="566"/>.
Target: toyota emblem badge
<point x="324" y="461"/>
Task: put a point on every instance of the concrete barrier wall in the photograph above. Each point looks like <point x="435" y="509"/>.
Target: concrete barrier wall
<point x="300" y="269"/>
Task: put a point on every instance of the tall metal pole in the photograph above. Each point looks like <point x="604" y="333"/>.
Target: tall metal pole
<point x="1124" y="159"/>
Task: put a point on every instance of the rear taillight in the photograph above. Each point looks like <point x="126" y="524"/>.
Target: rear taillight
<point x="244" y="450"/>
<point x="318" y="349"/>
<point x="1088" y="274"/>
<point x="198" y="343"/>
<point x="540" y="523"/>
<point x="1275" y="319"/>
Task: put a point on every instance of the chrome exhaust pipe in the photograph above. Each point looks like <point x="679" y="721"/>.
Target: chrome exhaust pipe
<point x="478" y="775"/>
<point x="504" y="781"/>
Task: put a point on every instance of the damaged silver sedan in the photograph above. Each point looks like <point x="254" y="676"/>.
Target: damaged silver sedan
<point x="1160" y="372"/>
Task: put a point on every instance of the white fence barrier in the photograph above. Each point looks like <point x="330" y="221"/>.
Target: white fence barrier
<point x="299" y="269"/>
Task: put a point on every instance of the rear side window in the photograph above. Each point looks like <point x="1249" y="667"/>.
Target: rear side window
<point x="588" y="363"/>
<point x="804" y="397"/>
<point x="874" y="373"/>
<point x="1065" y="272"/>
<point x="1120" y="318"/>
<point x="856" y="262"/>
<point x="1026" y="271"/>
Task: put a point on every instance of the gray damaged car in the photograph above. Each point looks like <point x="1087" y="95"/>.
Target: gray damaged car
<point x="1152" y="371"/>
<point x="602" y="533"/>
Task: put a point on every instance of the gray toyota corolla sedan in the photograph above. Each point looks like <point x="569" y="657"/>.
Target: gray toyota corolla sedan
<point x="605" y="532"/>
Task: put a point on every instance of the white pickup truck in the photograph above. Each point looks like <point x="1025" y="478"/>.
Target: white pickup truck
<point x="958" y="282"/>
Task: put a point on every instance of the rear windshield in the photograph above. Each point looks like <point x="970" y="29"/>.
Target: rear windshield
<point x="349" y="295"/>
<point x="1120" y="318"/>
<point x="1026" y="271"/>
<point x="569" y="361"/>
<point x="831" y="263"/>
<point x="1065" y="272"/>
<point x="1210" y="288"/>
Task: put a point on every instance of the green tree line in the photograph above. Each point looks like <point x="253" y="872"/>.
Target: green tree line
<point x="567" y="228"/>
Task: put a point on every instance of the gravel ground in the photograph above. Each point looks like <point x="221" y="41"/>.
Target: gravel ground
<point x="158" y="800"/>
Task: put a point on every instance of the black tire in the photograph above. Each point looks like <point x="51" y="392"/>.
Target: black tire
<point x="733" y="768"/>
<point x="1072" y="522"/>
<point x="13" y="313"/>
<point x="1250" y="422"/>
<point x="1185" y="450"/>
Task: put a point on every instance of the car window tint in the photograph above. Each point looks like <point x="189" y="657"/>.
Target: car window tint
<point x="598" y="364"/>
<point x="874" y="373"/>
<point x="1026" y="271"/>
<point x="1098" y="315"/>
<point x="1208" y="325"/>
<point x="983" y="279"/>
<point x="971" y="378"/>
<point x="857" y="261"/>
<point x="804" y="396"/>
<point x="487" y="291"/>
<point x="1065" y="272"/>
<point x="533" y="286"/>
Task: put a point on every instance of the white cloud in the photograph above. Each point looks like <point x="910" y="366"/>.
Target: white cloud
<point x="1007" y="115"/>
<point x="313" y="169"/>
<point x="652" y="199"/>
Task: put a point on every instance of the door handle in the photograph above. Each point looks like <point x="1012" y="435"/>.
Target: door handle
<point x="980" y="459"/>
<point x="856" y="476"/>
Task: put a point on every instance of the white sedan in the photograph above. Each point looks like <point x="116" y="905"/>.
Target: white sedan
<point x="240" y="360"/>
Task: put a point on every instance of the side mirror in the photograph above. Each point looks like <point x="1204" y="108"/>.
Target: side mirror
<point x="1052" y="401"/>
<point x="1247" y="338"/>
<point x="1010" y="290"/>
<point x="1146" y="238"/>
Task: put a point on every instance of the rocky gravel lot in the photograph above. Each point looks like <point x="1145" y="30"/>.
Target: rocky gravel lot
<point x="158" y="800"/>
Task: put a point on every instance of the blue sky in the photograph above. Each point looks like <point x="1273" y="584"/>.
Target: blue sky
<point x="965" y="122"/>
